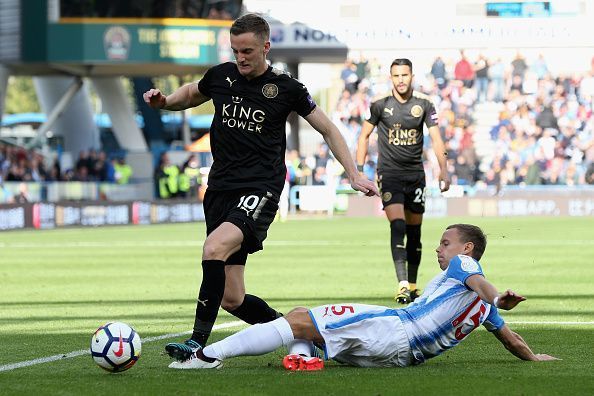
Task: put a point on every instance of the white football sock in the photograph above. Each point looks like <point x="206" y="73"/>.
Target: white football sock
<point x="255" y="340"/>
<point x="301" y="347"/>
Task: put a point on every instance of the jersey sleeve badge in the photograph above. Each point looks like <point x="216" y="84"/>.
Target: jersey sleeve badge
<point x="468" y="264"/>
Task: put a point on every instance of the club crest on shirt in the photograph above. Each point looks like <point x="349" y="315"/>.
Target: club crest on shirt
<point x="416" y="111"/>
<point x="468" y="264"/>
<point x="270" y="91"/>
<point x="387" y="196"/>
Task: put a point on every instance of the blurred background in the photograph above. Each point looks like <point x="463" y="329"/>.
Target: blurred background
<point x="513" y="83"/>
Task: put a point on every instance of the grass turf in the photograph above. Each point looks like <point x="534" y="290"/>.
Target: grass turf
<point x="58" y="286"/>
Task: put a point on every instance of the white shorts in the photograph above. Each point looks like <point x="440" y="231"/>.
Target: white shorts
<point x="362" y="335"/>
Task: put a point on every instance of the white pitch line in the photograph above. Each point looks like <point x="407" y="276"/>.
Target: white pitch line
<point x="47" y="359"/>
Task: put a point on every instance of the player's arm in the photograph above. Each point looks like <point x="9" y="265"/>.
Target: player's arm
<point x="321" y="123"/>
<point x="440" y="153"/>
<point x="363" y="142"/>
<point x="488" y="293"/>
<point x="514" y="343"/>
<point x="182" y="98"/>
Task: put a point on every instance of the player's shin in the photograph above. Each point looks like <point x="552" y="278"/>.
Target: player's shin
<point x="413" y="251"/>
<point x="397" y="231"/>
<point x="209" y="299"/>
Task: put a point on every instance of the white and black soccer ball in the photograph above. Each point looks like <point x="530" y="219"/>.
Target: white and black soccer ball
<point x="115" y="347"/>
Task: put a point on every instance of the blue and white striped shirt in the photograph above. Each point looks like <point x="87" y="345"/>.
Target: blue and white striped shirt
<point x="447" y="311"/>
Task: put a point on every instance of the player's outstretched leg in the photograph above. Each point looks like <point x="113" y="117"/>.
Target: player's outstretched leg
<point x="255" y="340"/>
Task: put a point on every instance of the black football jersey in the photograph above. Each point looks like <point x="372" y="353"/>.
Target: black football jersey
<point x="400" y="131"/>
<point x="247" y="135"/>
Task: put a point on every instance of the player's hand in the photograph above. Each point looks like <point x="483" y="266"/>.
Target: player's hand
<point x="154" y="98"/>
<point x="541" y="357"/>
<point x="366" y="186"/>
<point x="444" y="183"/>
<point x="509" y="299"/>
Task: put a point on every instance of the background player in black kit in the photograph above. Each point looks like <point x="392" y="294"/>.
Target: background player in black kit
<point x="252" y="102"/>
<point x="399" y="118"/>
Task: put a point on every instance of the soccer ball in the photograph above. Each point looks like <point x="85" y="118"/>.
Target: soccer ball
<point x="115" y="347"/>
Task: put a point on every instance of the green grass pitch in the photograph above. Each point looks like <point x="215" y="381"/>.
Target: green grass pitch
<point x="57" y="287"/>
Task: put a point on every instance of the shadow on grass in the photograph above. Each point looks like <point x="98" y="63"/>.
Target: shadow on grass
<point x="281" y="300"/>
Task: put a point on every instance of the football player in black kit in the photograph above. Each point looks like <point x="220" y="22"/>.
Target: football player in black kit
<point x="252" y="102"/>
<point x="399" y="118"/>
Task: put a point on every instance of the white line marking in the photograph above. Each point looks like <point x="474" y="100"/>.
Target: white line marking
<point x="47" y="359"/>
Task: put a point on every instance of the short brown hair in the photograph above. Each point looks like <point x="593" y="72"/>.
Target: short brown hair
<point x="472" y="233"/>
<point x="251" y="23"/>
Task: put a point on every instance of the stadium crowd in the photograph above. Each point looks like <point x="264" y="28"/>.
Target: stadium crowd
<point x="544" y="133"/>
<point x="20" y="165"/>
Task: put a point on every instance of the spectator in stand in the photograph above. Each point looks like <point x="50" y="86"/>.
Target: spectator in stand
<point x="349" y="76"/>
<point x="539" y="67"/>
<point x="166" y="178"/>
<point x="123" y="171"/>
<point x="546" y="117"/>
<point x="463" y="172"/>
<point x="481" y="69"/>
<point x="83" y="160"/>
<point x="438" y="71"/>
<point x="497" y="76"/>
<point x="190" y="176"/>
<point x="519" y="66"/>
<point x="463" y="71"/>
<point x="321" y="161"/>
<point x="23" y="196"/>
<point x="100" y="167"/>
<point x="15" y="173"/>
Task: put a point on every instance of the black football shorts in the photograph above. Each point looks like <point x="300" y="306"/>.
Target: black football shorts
<point x="403" y="189"/>
<point x="251" y="210"/>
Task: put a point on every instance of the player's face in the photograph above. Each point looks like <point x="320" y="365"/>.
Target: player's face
<point x="250" y="54"/>
<point x="401" y="79"/>
<point x="450" y="246"/>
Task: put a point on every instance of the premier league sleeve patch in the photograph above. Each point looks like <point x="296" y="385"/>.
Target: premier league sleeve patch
<point x="461" y="267"/>
<point x="468" y="264"/>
